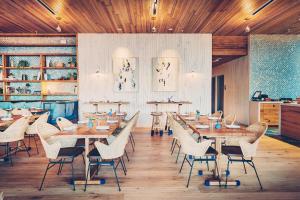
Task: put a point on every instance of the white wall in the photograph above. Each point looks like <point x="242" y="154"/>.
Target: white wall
<point x="236" y="94"/>
<point x="97" y="50"/>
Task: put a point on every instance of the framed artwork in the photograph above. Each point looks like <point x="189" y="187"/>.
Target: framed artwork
<point x="165" y="74"/>
<point x="126" y="76"/>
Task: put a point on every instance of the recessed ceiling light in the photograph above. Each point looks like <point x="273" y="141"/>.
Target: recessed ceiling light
<point x="58" y="29"/>
<point x="182" y="30"/>
<point x="170" y="29"/>
<point x="119" y="29"/>
<point x="247" y="29"/>
<point x="154" y="29"/>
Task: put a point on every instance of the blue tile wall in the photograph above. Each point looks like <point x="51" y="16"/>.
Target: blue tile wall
<point x="275" y="65"/>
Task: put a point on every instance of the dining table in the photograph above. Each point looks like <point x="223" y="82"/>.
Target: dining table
<point x="178" y="103"/>
<point x="219" y="135"/>
<point x="83" y="131"/>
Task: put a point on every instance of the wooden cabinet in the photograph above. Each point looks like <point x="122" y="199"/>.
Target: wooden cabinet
<point x="290" y="121"/>
<point x="267" y="112"/>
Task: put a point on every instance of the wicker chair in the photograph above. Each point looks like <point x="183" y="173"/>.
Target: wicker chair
<point x="201" y="151"/>
<point x="15" y="133"/>
<point x="3" y="113"/>
<point x="21" y="111"/>
<point x="246" y="150"/>
<point x="32" y="132"/>
<point x="65" y="124"/>
<point x="112" y="154"/>
<point x="55" y="152"/>
<point x="229" y="119"/>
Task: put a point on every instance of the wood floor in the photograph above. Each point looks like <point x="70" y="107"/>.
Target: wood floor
<point x="153" y="174"/>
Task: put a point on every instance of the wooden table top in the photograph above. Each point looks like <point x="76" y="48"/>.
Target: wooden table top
<point x="169" y="102"/>
<point x="213" y="132"/>
<point x="82" y="131"/>
<point x="5" y="124"/>
<point x="109" y="102"/>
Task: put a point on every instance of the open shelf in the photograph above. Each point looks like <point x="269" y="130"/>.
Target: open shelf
<point x="64" y="81"/>
<point x="60" y="68"/>
<point x="22" y="81"/>
<point x="23" y="95"/>
<point x="39" y="54"/>
<point x="23" y="68"/>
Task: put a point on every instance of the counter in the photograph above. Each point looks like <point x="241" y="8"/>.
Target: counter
<point x="290" y="120"/>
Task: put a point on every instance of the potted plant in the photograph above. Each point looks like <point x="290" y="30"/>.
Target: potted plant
<point x="72" y="62"/>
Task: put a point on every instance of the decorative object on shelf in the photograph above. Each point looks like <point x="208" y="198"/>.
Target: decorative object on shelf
<point x="47" y="76"/>
<point x="126" y="75"/>
<point x="11" y="76"/>
<point x="23" y="63"/>
<point x="12" y="63"/>
<point x="51" y="64"/>
<point x="37" y="92"/>
<point x="75" y="89"/>
<point x="75" y="75"/>
<point x="59" y="64"/>
<point x="165" y="74"/>
<point x="72" y="62"/>
<point x="1" y="75"/>
<point x="70" y="76"/>
<point x="24" y="77"/>
<point x="38" y="77"/>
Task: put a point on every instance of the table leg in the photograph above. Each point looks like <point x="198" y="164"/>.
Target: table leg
<point x="178" y="109"/>
<point x="119" y="108"/>
<point x="87" y="143"/>
<point x="214" y="181"/>
<point x="156" y="107"/>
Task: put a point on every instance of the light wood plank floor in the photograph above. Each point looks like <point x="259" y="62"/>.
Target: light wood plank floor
<point x="153" y="174"/>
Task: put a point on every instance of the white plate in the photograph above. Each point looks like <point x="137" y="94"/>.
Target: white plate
<point x="7" y="119"/>
<point x="102" y="127"/>
<point x="70" y="128"/>
<point x="112" y="121"/>
<point x="83" y="122"/>
<point x="233" y="126"/>
<point x="213" y="118"/>
<point x="202" y="126"/>
<point x="120" y="114"/>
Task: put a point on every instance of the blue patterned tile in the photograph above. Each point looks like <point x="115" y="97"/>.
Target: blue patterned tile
<point x="275" y="65"/>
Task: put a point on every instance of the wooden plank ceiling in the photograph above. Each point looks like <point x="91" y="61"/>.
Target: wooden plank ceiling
<point x="219" y="17"/>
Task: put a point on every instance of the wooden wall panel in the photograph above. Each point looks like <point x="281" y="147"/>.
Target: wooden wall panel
<point x="236" y="94"/>
<point x="194" y="53"/>
<point x="219" y="17"/>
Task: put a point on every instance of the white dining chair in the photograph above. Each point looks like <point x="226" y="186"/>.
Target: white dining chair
<point x="217" y="114"/>
<point x="31" y="131"/>
<point x="1" y="196"/>
<point x="246" y="150"/>
<point x="3" y="113"/>
<point x="21" y="111"/>
<point x="65" y="124"/>
<point x="110" y="155"/>
<point x="201" y="151"/>
<point x="15" y="133"/>
<point x="229" y="119"/>
<point x="55" y="152"/>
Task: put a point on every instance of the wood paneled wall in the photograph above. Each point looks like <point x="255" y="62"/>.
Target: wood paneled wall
<point x="236" y="94"/>
<point x="193" y="50"/>
<point x="227" y="48"/>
